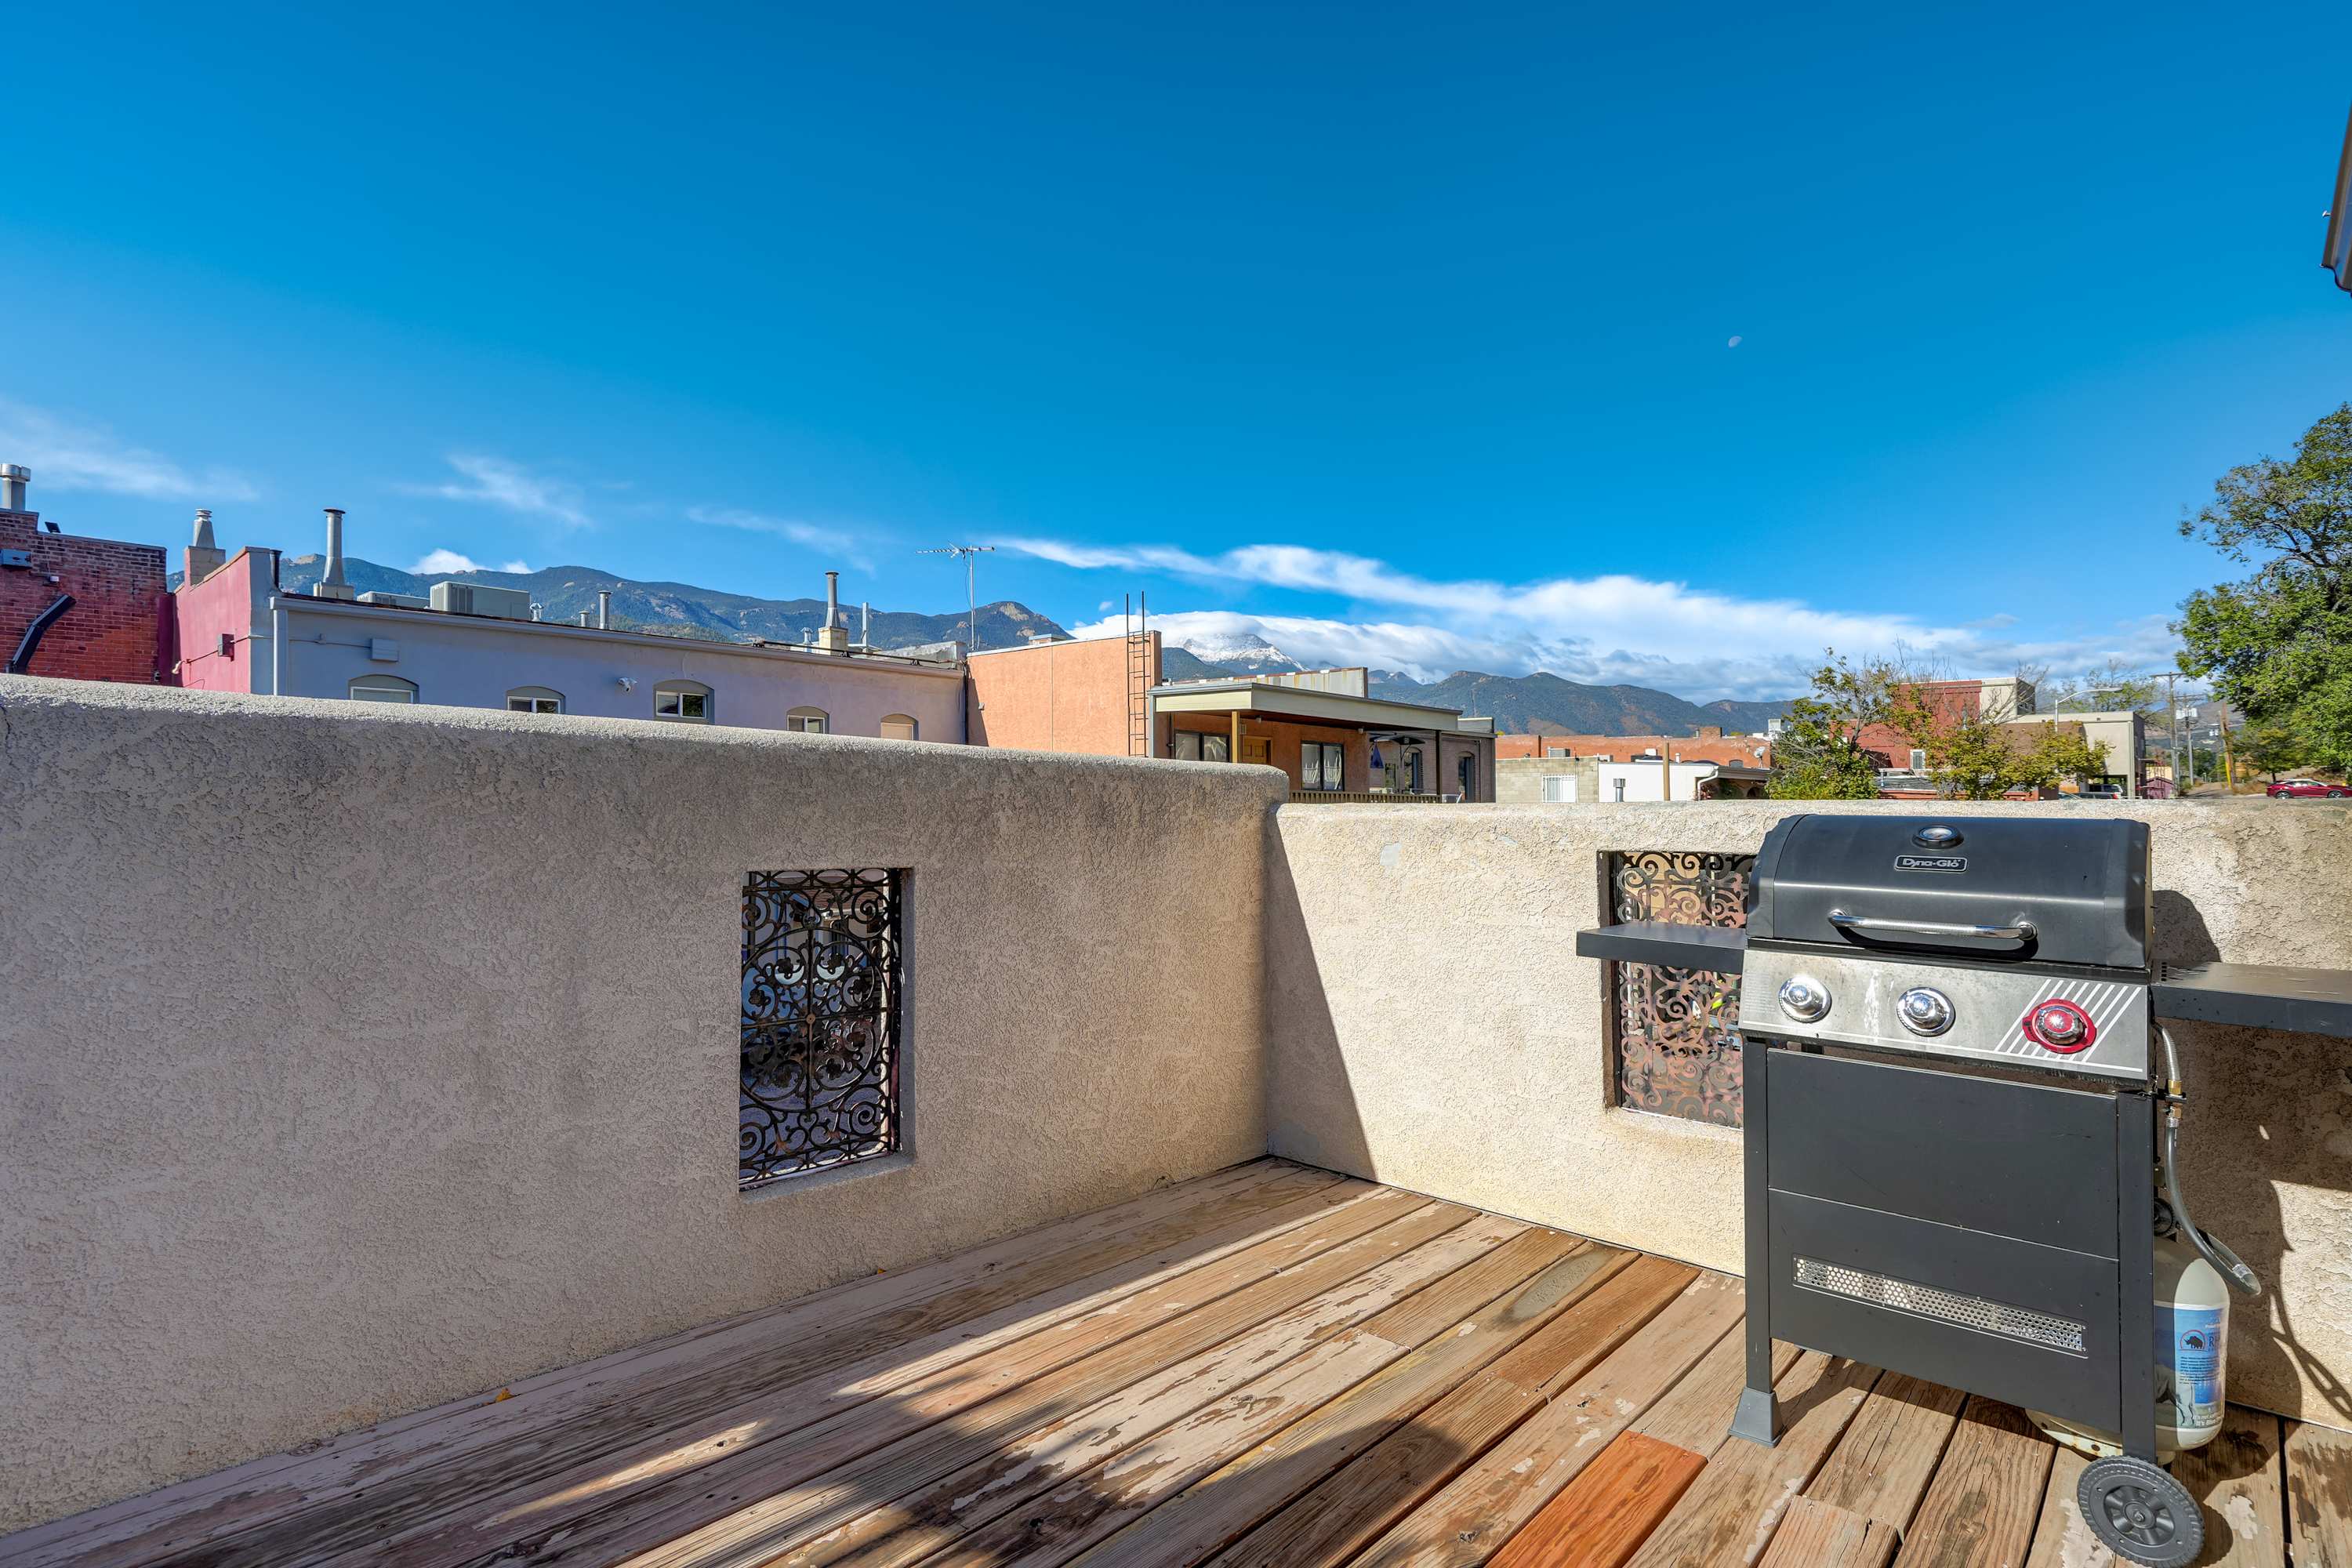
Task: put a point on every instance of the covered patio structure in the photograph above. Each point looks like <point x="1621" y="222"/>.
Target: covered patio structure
<point x="1334" y="741"/>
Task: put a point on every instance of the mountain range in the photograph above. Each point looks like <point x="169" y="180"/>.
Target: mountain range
<point x="1520" y="704"/>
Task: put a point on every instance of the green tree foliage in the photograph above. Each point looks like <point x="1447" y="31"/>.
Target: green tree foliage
<point x="1818" y="754"/>
<point x="2278" y="644"/>
<point x="2272" y="749"/>
<point x="1975" y="755"/>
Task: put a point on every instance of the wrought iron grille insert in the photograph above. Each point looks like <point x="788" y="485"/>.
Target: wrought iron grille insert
<point x="1674" y="1033"/>
<point x="823" y="983"/>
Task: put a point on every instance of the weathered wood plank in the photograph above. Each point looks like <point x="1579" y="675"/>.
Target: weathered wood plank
<point x="1220" y="1507"/>
<point x="1332" y="1520"/>
<point x="1602" y="1517"/>
<point x="771" y="1497"/>
<point x="515" y="1494"/>
<point x="1881" y="1467"/>
<point x="1112" y="1250"/>
<point x="1093" y="1504"/>
<point x="911" y="1528"/>
<point x="1982" y="1508"/>
<point x="2235" y="1479"/>
<point x="1464" y="1525"/>
<point x="1697" y="1413"/>
<point x="2061" y="1538"/>
<point x="1729" y="1513"/>
<point x="2319" y="1494"/>
<point x="1816" y="1534"/>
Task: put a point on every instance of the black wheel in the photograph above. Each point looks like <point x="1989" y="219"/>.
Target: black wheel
<point x="2142" y="1513"/>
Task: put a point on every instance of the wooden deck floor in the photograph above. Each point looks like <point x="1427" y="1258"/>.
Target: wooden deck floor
<point x="1271" y="1366"/>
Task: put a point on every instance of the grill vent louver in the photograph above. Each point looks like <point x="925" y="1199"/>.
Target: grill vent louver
<point x="1944" y="1305"/>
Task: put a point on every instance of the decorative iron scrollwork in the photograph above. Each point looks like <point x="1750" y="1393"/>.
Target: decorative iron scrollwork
<point x="821" y="984"/>
<point x="1676" y="1031"/>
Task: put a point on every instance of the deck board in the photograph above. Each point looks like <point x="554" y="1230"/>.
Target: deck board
<point x="1270" y="1367"/>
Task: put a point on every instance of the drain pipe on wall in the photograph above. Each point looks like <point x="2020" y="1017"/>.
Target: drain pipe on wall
<point x="31" y="642"/>
<point x="277" y="646"/>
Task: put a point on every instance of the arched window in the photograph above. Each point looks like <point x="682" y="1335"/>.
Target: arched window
<point x="808" y="720"/>
<point x="381" y="689"/>
<point x="683" y="701"/>
<point x="898" y="727"/>
<point x="534" y="699"/>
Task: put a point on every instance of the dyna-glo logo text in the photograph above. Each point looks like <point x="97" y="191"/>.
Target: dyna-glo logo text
<point x="1931" y="862"/>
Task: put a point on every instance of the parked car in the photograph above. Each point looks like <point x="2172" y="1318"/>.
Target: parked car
<point x="2306" y="789"/>
<point x="2102" y="792"/>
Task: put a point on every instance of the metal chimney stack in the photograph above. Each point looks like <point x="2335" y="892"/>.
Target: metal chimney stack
<point x="833" y="636"/>
<point x="331" y="583"/>
<point x="604" y="609"/>
<point x="14" y="478"/>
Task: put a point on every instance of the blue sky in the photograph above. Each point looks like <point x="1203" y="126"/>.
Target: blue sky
<point x="1402" y="335"/>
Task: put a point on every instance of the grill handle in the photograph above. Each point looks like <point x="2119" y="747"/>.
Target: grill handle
<point x="2016" y="931"/>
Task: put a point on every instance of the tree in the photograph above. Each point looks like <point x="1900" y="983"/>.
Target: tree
<point x="1818" y="755"/>
<point x="2278" y="644"/>
<point x="2117" y="688"/>
<point x="2057" y="755"/>
<point x="2272" y="749"/>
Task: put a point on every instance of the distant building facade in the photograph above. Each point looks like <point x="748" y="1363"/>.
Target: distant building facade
<point x="1105" y="696"/>
<point x="235" y="631"/>
<point x="99" y="603"/>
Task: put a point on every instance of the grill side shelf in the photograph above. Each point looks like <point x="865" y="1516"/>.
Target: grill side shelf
<point x="1716" y="949"/>
<point x="2257" y="996"/>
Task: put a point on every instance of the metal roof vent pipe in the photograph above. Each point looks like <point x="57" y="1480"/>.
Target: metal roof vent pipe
<point x="832" y="638"/>
<point x="331" y="583"/>
<point x="14" y="478"/>
<point x="604" y="609"/>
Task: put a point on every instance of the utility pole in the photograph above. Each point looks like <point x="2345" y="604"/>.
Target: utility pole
<point x="970" y="592"/>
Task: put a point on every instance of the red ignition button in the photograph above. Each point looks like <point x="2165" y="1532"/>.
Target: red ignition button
<point x="2060" y="1026"/>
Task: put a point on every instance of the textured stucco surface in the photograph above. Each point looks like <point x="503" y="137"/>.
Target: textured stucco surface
<point x="353" y="1058"/>
<point x="1458" y="1049"/>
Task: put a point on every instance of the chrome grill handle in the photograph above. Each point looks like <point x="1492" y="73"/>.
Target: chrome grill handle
<point x="1868" y="925"/>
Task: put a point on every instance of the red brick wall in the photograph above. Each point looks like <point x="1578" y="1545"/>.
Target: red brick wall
<point x="111" y="632"/>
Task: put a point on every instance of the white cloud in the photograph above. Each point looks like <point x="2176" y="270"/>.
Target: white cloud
<point x="71" y="457"/>
<point x="495" y="481"/>
<point x="438" y="563"/>
<point x="826" y="540"/>
<point x="1613" y="628"/>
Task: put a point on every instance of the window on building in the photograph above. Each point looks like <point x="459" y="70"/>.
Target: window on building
<point x="1216" y="748"/>
<point x="823" y="981"/>
<point x="898" y="727"/>
<point x="1322" y="765"/>
<point x="1559" y="789"/>
<point x="1185" y="746"/>
<point x="686" y="701"/>
<point x="808" y="720"/>
<point x="381" y="689"/>
<point x="1918" y="760"/>
<point x="534" y="699"/>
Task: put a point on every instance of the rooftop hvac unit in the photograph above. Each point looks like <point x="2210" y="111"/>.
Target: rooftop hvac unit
<point x="404" y="601"/>
<point x="474" y="599"/>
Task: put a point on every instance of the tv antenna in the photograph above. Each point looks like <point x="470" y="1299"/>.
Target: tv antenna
<point x="970" y="592"/>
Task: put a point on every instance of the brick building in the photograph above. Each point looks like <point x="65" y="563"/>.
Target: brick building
<point x="114" y="627"/>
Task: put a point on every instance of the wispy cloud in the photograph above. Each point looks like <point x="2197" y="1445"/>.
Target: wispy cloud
<point x="1598" y="629"/>
<point x="70" y="457"/>
<point x="499" y="482"/>
<point x="439" y="563"/>
<point x="826" y="540"/>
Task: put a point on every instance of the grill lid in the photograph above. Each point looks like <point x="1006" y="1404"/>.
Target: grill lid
<point x="2054" y="890"/>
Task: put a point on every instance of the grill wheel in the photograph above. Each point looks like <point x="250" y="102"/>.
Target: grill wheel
<point x="2141" y="1512"/>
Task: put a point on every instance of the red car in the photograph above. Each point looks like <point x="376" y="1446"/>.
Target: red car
<point x="2306" y="789"/>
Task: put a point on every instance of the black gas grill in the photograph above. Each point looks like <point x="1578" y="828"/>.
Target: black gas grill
<point x="1952" y="1107"/>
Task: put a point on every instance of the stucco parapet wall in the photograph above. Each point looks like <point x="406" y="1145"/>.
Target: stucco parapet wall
<point x="356" y="1057"/>
<point x="1431" y="1026"/>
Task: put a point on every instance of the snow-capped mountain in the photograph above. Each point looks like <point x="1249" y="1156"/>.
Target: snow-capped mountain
<point x="1248" y="653"/>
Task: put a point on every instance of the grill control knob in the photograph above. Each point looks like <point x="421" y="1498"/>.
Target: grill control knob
<point x="1924" y="1010"/>
<point x="1805" y="999"/>
<point x="2060" y="1026"/>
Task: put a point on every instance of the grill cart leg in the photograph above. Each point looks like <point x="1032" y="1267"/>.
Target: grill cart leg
<point x="2129" y="1502"/>
<point x="1757" y="1420"/>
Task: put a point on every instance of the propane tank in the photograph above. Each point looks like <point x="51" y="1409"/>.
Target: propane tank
<point x="2192" y="1348"/>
